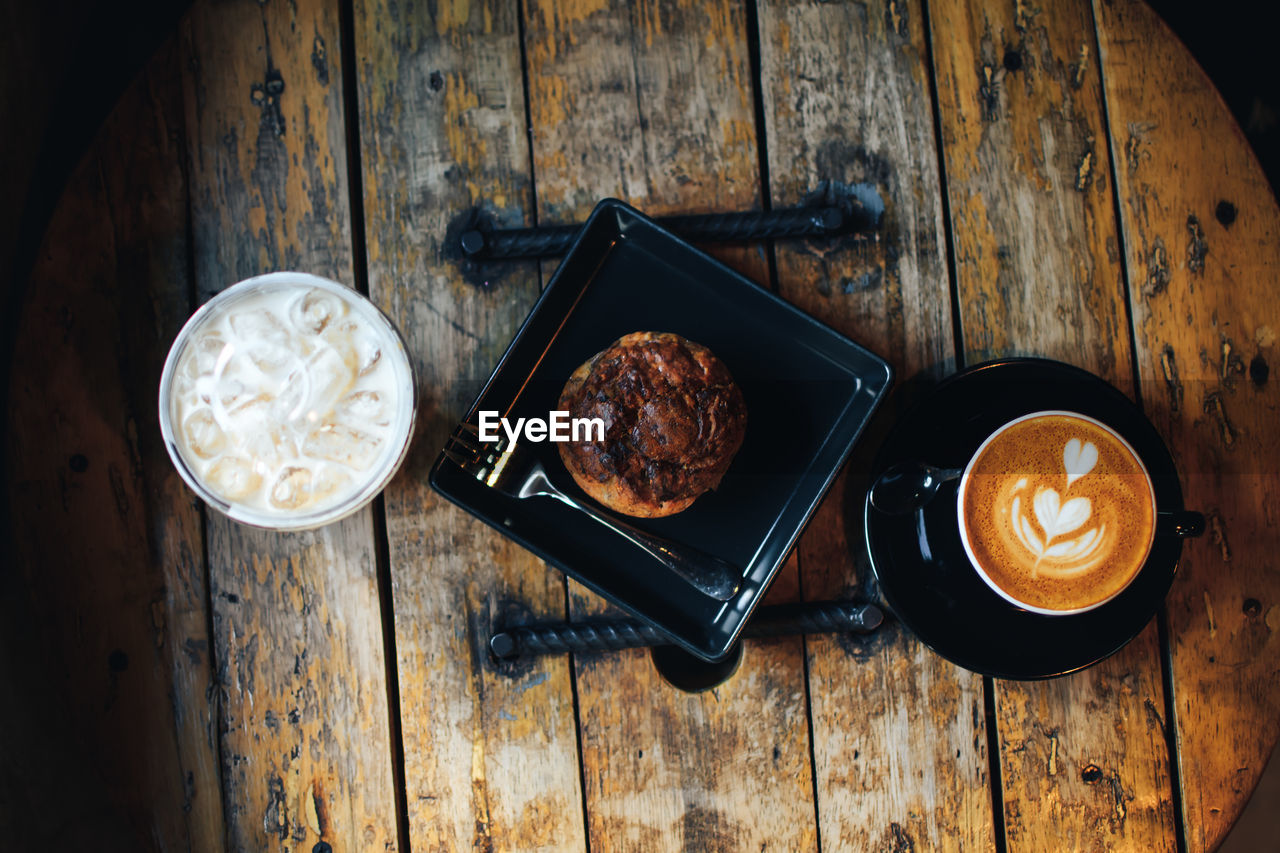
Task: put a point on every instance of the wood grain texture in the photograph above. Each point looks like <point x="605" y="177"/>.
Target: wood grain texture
<point x="1084" y="762"/>
<point x="899" y="738"/>
<point x="491" y="759"/>
<point x="1027" y="177"/>
<point x="652" y="103"/>
<point x="1202" y="240"/>
<point x="306" y="751"/>
<point x="111" y="542"/>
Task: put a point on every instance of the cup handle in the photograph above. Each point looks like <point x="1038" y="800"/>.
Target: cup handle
<point x="1183" y="524"/>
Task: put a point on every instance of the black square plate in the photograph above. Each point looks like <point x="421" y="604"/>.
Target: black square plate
<point x="809" y="391"/>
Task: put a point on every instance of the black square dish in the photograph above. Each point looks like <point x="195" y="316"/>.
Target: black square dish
<point x="809" y="391"/>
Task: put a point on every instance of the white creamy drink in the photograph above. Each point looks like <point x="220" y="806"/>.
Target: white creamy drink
<point x="289" y="397"/>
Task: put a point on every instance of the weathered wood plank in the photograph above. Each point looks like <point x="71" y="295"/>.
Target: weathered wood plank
<point x="651" y="102"/>
<point x="112" y="549"/>
<point x="306" y="751"/>
<point x="491" y="758"/>
<point x="1031" y="204"/>
<point x="899" y="739"/>
<point x="650" y="140"/>
<point x="1038" y="272"/>
<point x="1202" y="241"/>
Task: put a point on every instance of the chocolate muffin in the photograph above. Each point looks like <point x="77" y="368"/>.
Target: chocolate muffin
<point x="673" y="421"/>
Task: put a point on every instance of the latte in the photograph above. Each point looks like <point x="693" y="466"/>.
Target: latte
<point x="287" y="401"/>
<point x="1056" y="512"/>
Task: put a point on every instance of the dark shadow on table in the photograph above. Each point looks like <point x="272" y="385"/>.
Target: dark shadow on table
<point x="1237" y="50"/>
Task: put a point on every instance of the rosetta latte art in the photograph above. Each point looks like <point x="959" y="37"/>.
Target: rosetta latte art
<point x="1057" y="531"/>
<point x="1056" y="512"/>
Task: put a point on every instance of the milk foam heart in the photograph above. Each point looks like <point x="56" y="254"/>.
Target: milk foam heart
<point x="1078" y="459"/>
<point x="1057" y="512"/>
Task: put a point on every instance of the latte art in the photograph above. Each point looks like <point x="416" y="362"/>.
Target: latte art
<point x="1058" y="534"/>
<point x="1057" y="512"/>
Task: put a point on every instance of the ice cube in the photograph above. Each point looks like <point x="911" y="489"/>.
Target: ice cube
<point x="364" y="407"/>
<point x="184" y="390"/>
<point x="342" y="444"/>
<point x="292" y="489"/>
<point x="201" y="356"/>
<point x="271" y="358"/>
<point x="233" y="478"/>
<point x="325" y="380"/>
<point x="204" y="388"/>
<point x="259" y="326"/>
<point x="231" y="392"/>
<point x="368" y="353"/>
<point x="288" y="405"/>
<point x="270" y="446"/>
<point x="314" y="310"/>
<point x="237" y="380"/>
<point x="359" y="346"/>
<point x="202" y="434"/>
<point x="248" y="416"/>
<point x="329" y="481"/>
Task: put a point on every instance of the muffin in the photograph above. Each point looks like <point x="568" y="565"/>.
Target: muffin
<point x="673" y="421"/>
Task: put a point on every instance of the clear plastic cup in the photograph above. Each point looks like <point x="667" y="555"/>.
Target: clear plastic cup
<point x="287" y="401"/>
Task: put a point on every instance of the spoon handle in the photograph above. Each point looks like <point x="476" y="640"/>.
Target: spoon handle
<point x="908" y="486"/>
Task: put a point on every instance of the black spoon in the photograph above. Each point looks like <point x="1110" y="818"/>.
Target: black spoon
<point x="907" y="486"/>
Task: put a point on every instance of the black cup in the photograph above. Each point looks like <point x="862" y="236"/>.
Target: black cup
<point x="920" y="565"/>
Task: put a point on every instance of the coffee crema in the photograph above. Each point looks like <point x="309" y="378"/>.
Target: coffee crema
<point x="1057" y="512"/>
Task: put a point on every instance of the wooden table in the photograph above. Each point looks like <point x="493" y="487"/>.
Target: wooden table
<point x="1059" y="179"/>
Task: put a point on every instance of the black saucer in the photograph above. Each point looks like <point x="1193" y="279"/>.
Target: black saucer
<point x="918" y="559"/>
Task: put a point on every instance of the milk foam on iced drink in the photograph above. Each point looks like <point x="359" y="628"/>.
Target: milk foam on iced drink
<point x="288" y="400"/>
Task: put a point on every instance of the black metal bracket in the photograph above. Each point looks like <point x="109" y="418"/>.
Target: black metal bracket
<point x="819" y="617"/>
<point x="827" y="220"/>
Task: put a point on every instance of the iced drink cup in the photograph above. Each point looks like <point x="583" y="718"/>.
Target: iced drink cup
<point x="287" y="401"/>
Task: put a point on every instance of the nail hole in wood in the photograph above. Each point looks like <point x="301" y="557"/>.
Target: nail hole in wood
<point x="1259" y="370"/>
